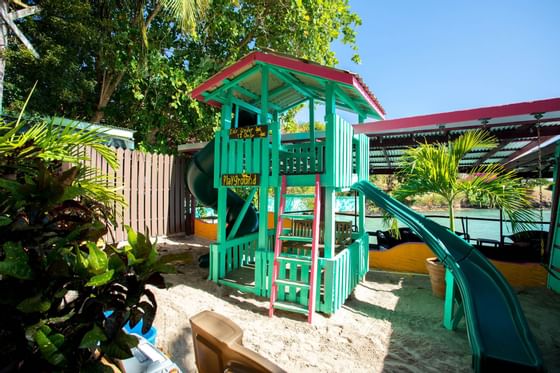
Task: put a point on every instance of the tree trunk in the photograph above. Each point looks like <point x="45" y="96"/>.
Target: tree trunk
<point x="109" y="85"/>
<point x="451" y="216"/>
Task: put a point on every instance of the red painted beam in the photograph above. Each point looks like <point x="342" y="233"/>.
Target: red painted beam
<point x="492" y="112"/>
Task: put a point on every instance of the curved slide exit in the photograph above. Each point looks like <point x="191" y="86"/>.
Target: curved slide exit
<point x="200" y="181"/>
<point x="497" y="329"/>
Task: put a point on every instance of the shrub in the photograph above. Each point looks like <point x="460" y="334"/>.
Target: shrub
<point x="57" y="277"/>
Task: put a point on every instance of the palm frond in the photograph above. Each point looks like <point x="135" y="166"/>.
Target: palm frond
<point x="470" y="141"/>
<point x="497" y="187"/>
<point x="186" y="11"/>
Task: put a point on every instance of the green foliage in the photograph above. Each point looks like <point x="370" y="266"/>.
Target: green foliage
<point x="132" y="65"/>
<point x="57" y="277"/>
<point x="434" y="168"/>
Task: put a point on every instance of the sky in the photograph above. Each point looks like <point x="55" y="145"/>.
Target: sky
<point x="430" y="56"/>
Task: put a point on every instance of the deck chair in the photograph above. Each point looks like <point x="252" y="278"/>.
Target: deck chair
<point x="218" y="347"/>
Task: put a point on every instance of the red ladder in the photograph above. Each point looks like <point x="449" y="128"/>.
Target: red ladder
<point x="295" y="261"/>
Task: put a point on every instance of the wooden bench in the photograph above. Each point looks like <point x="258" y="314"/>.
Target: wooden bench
<point x="304" y="228"/>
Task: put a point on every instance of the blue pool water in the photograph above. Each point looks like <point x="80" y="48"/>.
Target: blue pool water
<point x="476" y="229"/>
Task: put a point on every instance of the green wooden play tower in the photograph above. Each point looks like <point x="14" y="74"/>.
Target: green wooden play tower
<point x="304" y="262"/>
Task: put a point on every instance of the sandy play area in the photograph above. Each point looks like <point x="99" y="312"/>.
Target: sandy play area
<point x="392" y="323"/>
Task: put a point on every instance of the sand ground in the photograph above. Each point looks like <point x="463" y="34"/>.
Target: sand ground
<point x="391" y="323"/>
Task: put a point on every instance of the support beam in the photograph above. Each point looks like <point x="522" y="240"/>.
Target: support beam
<point x="209" y="96"/>
<point x="22" y="13"/>
<point x="526" y="148"/>
<point x="344" y="97"/>
<point x="278" y="91"/>
<point x="293" y="82"/>
<point x="7" y="19"/>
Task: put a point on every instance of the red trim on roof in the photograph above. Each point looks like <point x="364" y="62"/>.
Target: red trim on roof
<point x="291" y="63"/>
<point x="217" y="78"/>
<point x="371" y="99"/>
<point x="490" y="112"/>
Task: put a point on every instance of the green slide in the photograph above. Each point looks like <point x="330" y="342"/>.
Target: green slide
<point x="498" y="333"/>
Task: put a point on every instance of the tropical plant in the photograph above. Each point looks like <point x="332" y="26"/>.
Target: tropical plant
<point x="434" y="168"/>
<point x="57" y="277"/>
<point x="95" y="61"/>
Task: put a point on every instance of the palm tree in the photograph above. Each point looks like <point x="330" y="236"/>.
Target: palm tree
<point x="434" y="168"/>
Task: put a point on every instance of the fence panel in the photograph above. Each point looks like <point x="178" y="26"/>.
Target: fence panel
<point x="154" y="188"/>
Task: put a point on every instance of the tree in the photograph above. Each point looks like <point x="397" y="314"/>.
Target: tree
<point x="95" y="59"/>
<point x="434" y="168"/>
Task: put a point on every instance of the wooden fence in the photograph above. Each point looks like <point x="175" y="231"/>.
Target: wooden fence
<point x="153" y="186"/>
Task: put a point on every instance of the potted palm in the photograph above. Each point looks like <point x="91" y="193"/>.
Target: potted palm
<point x="434" y="168"/>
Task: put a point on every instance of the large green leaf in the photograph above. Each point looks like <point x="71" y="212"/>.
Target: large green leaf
<point x="16" y="262"/>
<point x="34" y="304"/>
<point x="98" y="261"/>
<point x="47" y="344"/>
<point x="101" y="279"/>
<point x="5" y="220"/>
<point x="93" y="337"/>
<point x="119" y="347"/>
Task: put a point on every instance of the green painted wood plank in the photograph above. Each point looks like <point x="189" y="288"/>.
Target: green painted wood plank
<point x="256" y="155"/>
<point x="259" y="280"/>
<point x="248" y="151"/>
<point x="228" y="84"/>
<point x="297" y="216"/>
<point x="281" y="275"/>
<point x="293" y="280"/>
<point x="241" y="287"/>
<point x="296" y="239"/>
<point x="293" y="82"/>
<point x="217" y="159"/>
<point x="245" y="105"/>
<point x="329" y="286"/>
<point x="291" y="307"/>
<point x="214" y="262"/>
<point x="293" y="283"/>
<point x="235" y="258"/>
<point x="228" y="259"/>
<point x="305" y="277"/>
<point x="288" y="258"/>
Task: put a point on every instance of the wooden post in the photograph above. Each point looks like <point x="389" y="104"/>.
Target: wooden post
<point x="7" y="20"/>
<point x="330" y="182"/>
<point x="311" y="120"/>
<point x="222" y="190"/>
<point x="263" y="282"/>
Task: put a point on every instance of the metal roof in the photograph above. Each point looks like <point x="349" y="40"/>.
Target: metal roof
<point x="291" y="81"/>
<point x="520" y="128"/>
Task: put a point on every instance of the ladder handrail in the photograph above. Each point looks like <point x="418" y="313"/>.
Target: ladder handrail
<point x="277" y="247"/>
<point x="314" y="248"/>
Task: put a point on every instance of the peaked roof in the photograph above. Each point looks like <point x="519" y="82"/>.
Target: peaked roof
<point x="292" y="81"/>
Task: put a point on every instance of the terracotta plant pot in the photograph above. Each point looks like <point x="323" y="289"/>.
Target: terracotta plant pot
<point x="436" y="270"/>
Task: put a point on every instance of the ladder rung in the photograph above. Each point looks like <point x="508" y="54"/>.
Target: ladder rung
<point x="299" y="195"/>
<point x="292" y="283"/>
<point x="296" y="238"/>
<point x="295" y="260"/>
<point x="291" y="307"/>
<point x="298" y="216"/>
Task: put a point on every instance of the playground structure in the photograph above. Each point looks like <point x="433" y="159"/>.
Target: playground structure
<point x="311" y="262"/>
<point x="307" y="274"/>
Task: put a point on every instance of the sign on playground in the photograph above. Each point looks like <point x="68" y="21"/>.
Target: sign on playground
<point x="252" y="132"/>
<point x="233" y="180"/>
